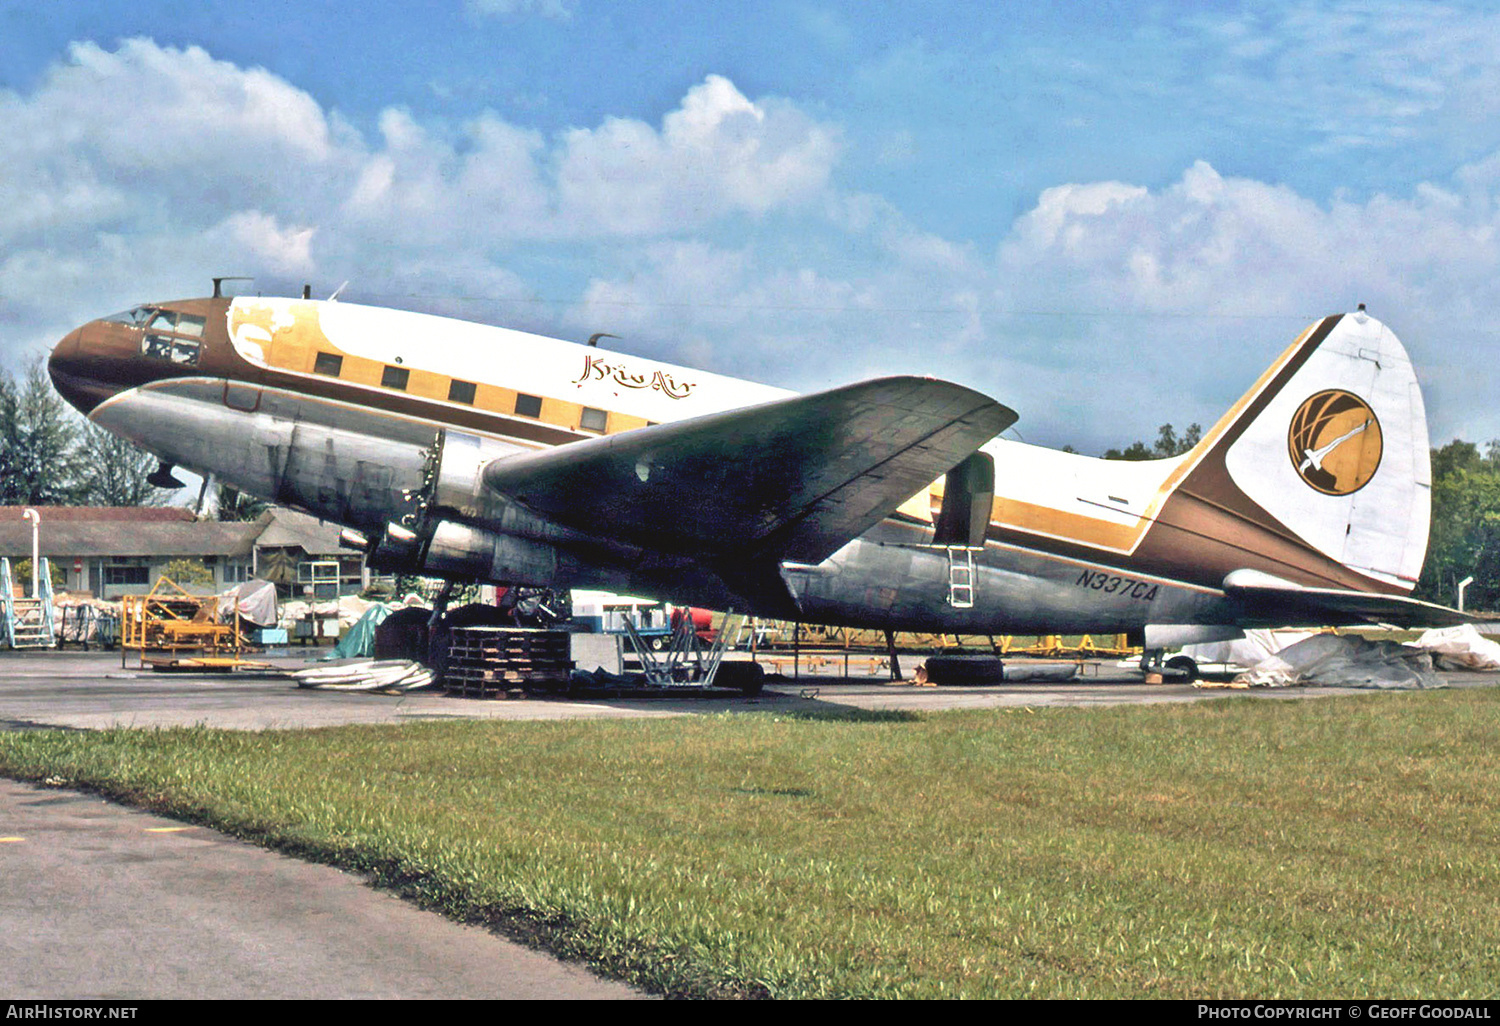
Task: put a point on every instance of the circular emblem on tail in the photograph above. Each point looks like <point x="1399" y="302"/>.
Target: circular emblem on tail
<point x="1334" y="441"/>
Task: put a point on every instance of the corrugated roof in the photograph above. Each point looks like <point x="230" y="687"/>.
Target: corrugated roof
<point x="125" y="539"/>
<point x="113" y="514"/>
<point x="130" y="531"/>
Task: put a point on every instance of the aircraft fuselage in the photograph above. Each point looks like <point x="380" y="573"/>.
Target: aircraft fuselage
<point x="375" y="419"/>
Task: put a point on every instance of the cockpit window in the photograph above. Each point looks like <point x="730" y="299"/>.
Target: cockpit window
<point x="156" y="319"/>
<point x="181" y="323"/>
<point x="164" y="347"/>
<point x="183" y="343"/>
<point x="190" y="325"/>
<point x="135" y="318"/>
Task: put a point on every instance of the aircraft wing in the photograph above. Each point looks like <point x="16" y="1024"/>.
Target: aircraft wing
<point x="1285" y="603"/>
<point x="792" y="479"/>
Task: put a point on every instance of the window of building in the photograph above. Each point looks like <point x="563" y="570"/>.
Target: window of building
<point x="528" y="405"/>
<point x="328" y="363"/>
<point x="593" y="420"/>
<point x="461" y="392"/>
<point x="116" y="574"/>
<point x="394" y="377"/>
<point x="236" y="573"/>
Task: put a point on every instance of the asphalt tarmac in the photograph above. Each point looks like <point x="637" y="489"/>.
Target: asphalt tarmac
<point x="90" y="690"/>
<point x="103" y="902"/>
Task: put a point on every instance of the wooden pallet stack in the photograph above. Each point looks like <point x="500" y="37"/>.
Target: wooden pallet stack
<point x="486" y="662"/>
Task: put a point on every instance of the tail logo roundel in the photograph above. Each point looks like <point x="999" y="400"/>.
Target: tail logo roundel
<point x="1334" y="441"/>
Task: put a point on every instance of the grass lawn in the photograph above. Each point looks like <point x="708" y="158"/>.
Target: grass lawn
<point x="1343" y="847"/>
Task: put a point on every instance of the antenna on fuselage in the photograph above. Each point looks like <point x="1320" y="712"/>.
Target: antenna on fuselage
<point x="596" y="336"/>
<point x="219" y="283"/>
<point x="335" y="297"/>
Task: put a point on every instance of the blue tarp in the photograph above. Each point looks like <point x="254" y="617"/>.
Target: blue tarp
<point x="358" y="642"/>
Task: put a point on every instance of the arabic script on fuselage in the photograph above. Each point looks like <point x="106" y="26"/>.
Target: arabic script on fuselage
<point x="598" y="369"/>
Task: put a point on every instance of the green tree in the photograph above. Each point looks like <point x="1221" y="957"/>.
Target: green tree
<point x="1464" y="539"/>
<point x="115" y="471"/>
<point x="187" y="572"/>
<point x="40" y="459"/>
<point x="234" y="504"/>
<point x="1167" y="444"/>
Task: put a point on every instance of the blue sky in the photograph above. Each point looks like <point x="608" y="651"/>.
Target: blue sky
<point x="1106" y="215"/>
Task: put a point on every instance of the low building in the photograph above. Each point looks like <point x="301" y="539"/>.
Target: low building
<point x="113" y="551"/>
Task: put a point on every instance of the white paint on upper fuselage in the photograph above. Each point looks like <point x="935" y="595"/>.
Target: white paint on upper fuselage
<point x="1122" y="492"/>
<point x="1115" y="492"/>
<point x="619" y="382"/>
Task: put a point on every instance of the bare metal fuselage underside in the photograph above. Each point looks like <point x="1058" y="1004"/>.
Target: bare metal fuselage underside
<point x="362" y="468"/>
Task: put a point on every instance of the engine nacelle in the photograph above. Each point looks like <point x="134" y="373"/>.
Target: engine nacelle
<point x="513" y="547"/>
<point x="456" y="483"/>
<point x="459" y="551"/>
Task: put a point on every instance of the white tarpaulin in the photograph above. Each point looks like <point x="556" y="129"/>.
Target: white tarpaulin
<point x="1247" y="652"/>
<point x="1345" y="660"/>
<point x="1460" y="648"/>
<point x="256" y="601"/>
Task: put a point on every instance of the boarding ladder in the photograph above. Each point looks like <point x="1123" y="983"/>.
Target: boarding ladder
<point x="27" y="622"/>
<point x="960" y="577"/>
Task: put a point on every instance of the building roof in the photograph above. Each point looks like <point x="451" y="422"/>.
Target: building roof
<point x="287" y="528"/>
<point x="110" y="514"/>
<point x="88" y="538"/>
<point x="69" y="532"/>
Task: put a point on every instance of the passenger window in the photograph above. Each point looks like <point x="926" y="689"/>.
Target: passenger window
<point x="461" y="392"/>
<point x="593" y="420"/>
<point x="395" y="377"/>
<point x="528" y="405"/>
<point x="328" y="363"/>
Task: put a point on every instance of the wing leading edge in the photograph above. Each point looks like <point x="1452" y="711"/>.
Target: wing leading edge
<point x="793" y="479"/>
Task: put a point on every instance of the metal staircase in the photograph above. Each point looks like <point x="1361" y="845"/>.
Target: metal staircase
<point x="28" y="622"/>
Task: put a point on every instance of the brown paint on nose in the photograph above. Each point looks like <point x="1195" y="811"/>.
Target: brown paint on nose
<point x="62" y="366"/>
<point x="86" y="365"/>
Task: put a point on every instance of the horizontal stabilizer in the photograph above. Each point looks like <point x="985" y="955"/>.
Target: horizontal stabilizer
<point x="793" y="479"/>
<point x="1277" y="602"/>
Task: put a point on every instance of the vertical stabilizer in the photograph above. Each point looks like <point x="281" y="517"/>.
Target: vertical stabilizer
<point x="1332" y="445"/>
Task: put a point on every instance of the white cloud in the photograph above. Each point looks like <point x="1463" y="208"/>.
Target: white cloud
<point x="285" y="251"/>
<point x="155" y="164"/>
<point x="719" y="236"/>
<point x="562" y="10"/>
<point x="717" y="154"/>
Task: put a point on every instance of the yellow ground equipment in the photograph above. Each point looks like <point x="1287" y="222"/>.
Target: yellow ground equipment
<point x="170" y="627"/>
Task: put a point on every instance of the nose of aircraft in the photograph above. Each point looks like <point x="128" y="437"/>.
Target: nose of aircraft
<point x="64" y="367"/>
<point x="94" y="362"/>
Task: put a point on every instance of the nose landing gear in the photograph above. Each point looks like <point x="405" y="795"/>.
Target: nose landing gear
<point x="162" y="477"/>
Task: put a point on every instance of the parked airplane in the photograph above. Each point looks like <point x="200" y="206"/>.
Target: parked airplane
<point x="469" y="452"/>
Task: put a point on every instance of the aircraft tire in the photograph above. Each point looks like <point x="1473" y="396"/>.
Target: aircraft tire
<point x="1185" y="665"/>
<point x="745" y="677"/>
<point x="965" y="671"/>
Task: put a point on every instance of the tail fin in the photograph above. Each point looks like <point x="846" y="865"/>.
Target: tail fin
<point x="1330" y="448"/>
